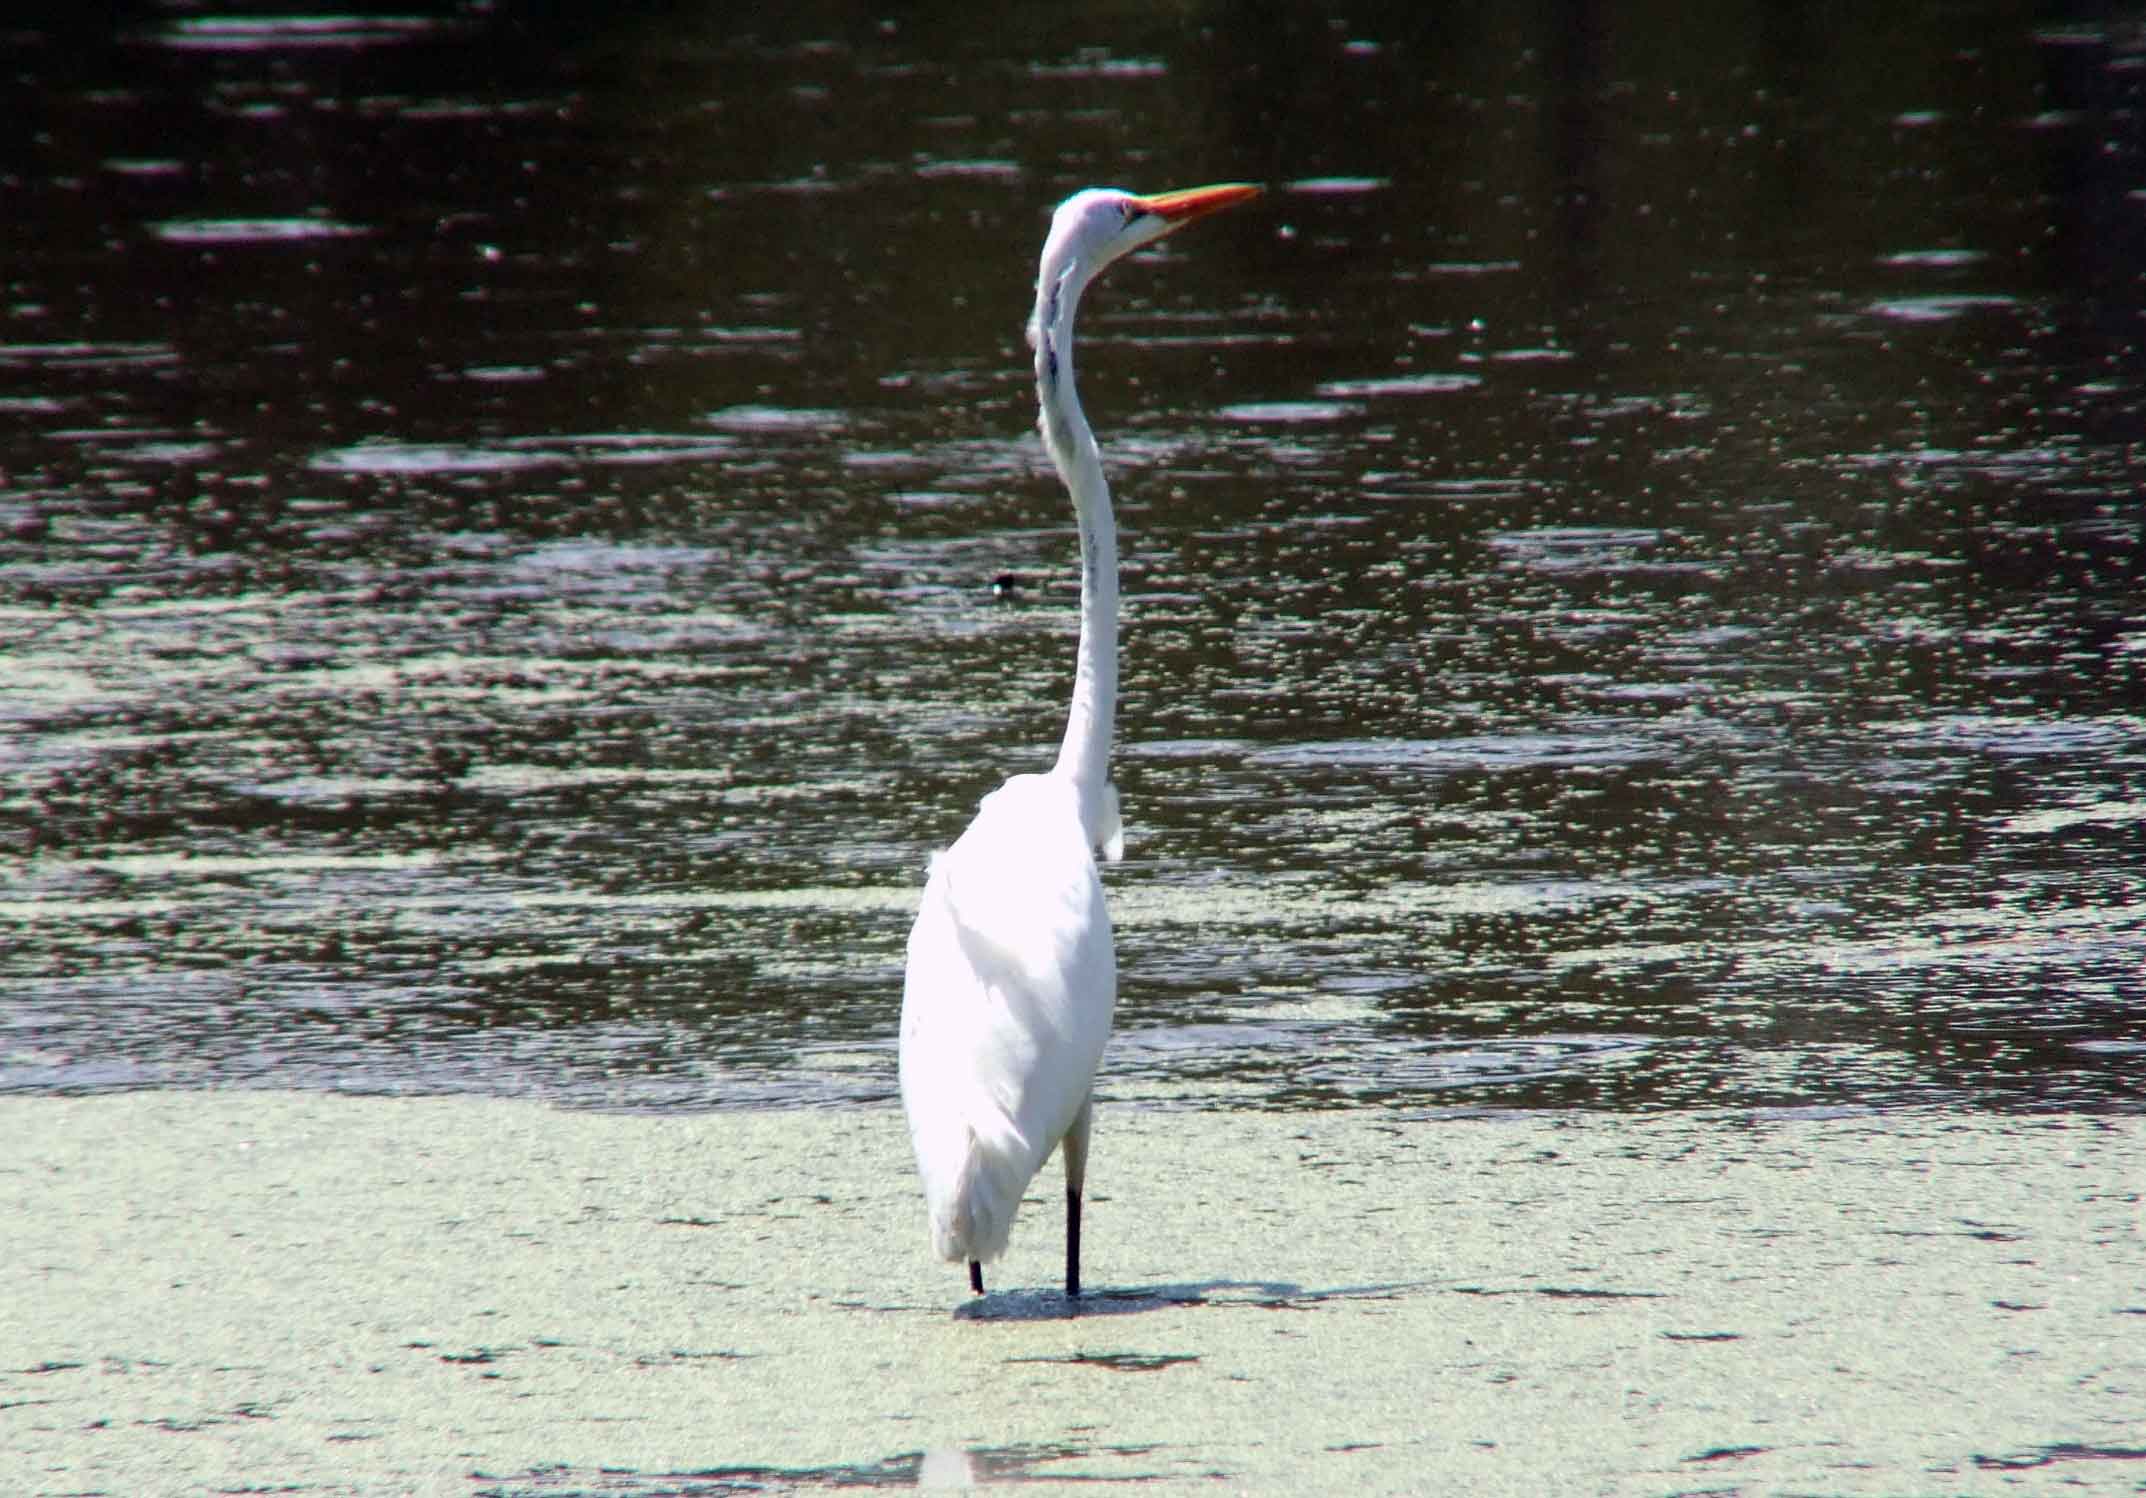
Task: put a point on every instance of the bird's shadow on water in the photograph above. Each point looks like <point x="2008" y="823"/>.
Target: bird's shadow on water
<point x="1271" y="1295"/>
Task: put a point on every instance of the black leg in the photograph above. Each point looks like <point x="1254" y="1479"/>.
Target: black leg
<point x="1072" y="1244"/>
<point x="976" y="1277"/>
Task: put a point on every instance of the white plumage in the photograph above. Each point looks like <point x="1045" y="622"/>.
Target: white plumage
<point x="1012" y="980"/>
<point x="1012" y="976"/>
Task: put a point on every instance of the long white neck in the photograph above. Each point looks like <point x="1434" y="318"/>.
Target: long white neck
<point x="1084" y="756"/>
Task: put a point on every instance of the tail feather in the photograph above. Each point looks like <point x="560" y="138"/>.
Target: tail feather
<point x="972" y="1211"/>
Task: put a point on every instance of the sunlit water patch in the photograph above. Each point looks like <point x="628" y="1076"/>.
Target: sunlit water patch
<point x="243" y="231"/>
<point x="1285" y="412"/>
<point x="1938" y="307"/>
<point x="1938" y="259"/>
<point x="278" y="33"/>
<point x="392" y="457"/>
<point x="1518" y="751"/>
<point x="2019" y="736"/>
<point x="1440" y="383"/>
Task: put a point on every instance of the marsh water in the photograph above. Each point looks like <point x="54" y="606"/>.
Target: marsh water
<point x="520" y="530"/>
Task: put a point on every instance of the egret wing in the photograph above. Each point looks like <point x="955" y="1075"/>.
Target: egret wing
<point x="1007" y="1003"/>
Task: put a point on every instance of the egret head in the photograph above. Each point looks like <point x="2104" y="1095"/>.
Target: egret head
<point x="1102" y="224"/>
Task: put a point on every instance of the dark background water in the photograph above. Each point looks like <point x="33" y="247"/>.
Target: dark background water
<point x="1633" y="548"/>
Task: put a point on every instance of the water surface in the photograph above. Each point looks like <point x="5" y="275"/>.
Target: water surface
<point x="517" y="540"/>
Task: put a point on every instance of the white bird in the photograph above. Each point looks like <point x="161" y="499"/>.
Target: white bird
<point x="1012" y="976"/>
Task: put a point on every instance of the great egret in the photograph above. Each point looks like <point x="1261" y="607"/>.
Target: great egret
<point x="1012" y="977"/>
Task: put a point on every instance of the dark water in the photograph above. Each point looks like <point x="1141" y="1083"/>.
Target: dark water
<point x="1634" y="556"/>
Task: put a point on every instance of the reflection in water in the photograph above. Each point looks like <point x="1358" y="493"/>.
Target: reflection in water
<point x="1632" y="590"/>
